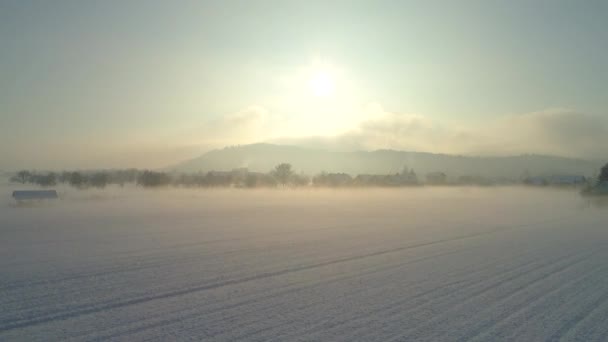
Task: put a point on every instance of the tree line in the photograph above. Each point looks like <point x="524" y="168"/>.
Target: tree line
<point x="283" y="175"/>
<point x="77" y="179"/>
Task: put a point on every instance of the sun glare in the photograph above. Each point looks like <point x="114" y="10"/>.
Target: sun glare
<point x="321" y="84"/>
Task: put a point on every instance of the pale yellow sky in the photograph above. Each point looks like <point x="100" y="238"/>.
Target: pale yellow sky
<point x="121" y="84"/>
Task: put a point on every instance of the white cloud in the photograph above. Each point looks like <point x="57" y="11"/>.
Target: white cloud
<point x="559" y="132"/>
<point x="556" y="132"/>
<point x="252" y="123"/>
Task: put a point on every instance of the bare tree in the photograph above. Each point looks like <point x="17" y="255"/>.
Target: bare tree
<point x="282" y="173"/>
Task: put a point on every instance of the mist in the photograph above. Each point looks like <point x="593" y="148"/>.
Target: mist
<point x="315" y="170"/>
<point x="415" y="263"/>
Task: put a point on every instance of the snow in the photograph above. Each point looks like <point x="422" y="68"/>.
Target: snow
<point x="423" y="264"/>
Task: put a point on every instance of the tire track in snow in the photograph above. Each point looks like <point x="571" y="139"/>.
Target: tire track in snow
<point x="445" y="315"/>
<point x="485" y="327"/>
<point x="7" y="326"/>
<point x="395" y="307"/>
<point x="572" y="323"/>
<point x="596" y="323"/>
<point x="149" y="261"/>
<point x="294" y="289"/>
<point x="322" y="324"/>
<point x="603" y="336"/>
<point x="191" y="244"/>
<point x="93" y="289"/>
<point x="141" y="263"/>
<point x="270" y="309"/>
<point x="314" y="304"/>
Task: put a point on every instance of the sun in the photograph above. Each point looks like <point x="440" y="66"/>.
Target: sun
<point x="321" y="83"/>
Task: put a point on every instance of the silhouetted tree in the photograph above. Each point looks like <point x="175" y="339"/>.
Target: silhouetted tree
<point x="49" y="179"/>
<point x="98" y="180"/>
<point x="282" y="173"/>
<point x="64" y="177"/>
<point x="151" y="179"/>
<point x="604" y="174"/>
<point x="412" y="176"/>
<point x="121" y="177"/>
<point x="436" y="178"/>
<point x="76" y="179"/>
<point x="251" y="181"/>
<point x="218" y="178"/>
<point x="23" y="176"/>
<point x="299" y="180"/>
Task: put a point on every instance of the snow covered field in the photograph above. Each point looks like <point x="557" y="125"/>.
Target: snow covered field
<point x="438" y="264"/>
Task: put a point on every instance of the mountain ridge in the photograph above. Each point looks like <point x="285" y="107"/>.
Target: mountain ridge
<point x="262" y="157"/>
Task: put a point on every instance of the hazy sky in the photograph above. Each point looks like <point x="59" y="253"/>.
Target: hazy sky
<point x="148" y="83"/>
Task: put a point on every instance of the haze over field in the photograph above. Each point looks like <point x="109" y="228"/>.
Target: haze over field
<point x="439" y="264"/>
<point x="303" y="170"/>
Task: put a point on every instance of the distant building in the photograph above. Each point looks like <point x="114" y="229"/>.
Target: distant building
<point x="568" y="180"/>
<point x="556" y="180"/>
<point x="32" y="195"/>
<point x="536" y="180"/>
